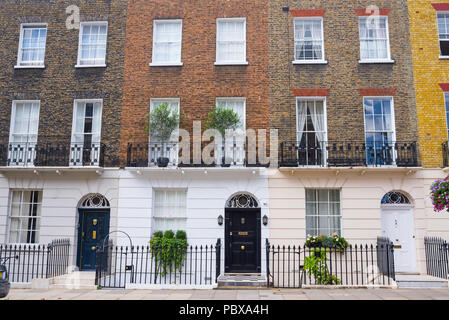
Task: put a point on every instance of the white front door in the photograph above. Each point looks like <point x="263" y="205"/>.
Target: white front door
<point x="397" y="224"/>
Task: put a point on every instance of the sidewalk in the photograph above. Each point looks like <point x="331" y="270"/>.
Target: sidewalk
<point x="263" y="294"/>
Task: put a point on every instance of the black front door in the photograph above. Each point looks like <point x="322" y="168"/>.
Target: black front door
<point x="93" y="227"/>
<point x="242" y="237"/>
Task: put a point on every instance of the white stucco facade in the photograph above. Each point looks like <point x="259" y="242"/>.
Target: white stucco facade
<point x="280" y="194"/>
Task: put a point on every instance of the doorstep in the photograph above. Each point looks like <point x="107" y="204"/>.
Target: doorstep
<point x="242" y="281"/>
<point x="419" y="281"/>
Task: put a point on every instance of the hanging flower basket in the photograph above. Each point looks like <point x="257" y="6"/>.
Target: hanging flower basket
<point x="439" y="193"/>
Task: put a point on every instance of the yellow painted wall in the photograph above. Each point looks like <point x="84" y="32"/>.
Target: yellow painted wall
<point x="429" y="71"/>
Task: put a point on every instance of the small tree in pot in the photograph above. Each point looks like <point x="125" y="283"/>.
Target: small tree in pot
<point x="163" y="121"/>
<point x="222" y="119"/>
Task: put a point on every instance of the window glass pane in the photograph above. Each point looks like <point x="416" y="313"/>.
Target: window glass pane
<point x="93" y="44"/>
<point x="323" y="216"/>
<point x="169" y="210"/>
<point x="25" y="213"/>
<point x="374" y="42"/>
<point x="167" y="42"/>
<point x="308" y="39"/>
<point x="231" y="41"/>
<point x="33" y="46"/>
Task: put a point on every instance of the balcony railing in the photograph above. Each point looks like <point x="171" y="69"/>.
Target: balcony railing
<point x="51" y="154"/>
<point x="148" y="154"/>
<point x="349" y="154"/>
<point x="445" y="149"/>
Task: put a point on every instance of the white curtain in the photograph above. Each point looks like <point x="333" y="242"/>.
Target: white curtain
<point x="167" y="44"/>
<point x="317" y="116"/>
<point x="301" y="119"/>
<point x="26" y="122"/>
<point x="170" y="210"/>
<point x="96" y="123"/>
<point x="231" y="41"/>
<point x="316" y="35"/>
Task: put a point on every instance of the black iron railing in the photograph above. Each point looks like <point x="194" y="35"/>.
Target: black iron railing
<point x="25" y="262"/>
<point x="445" y="149"/>
<point x="52" y="154"/>
<point x="150" y="154"/>
<point x="437" y="257"/>
<point x="119" y="266"/>
<point x="357" y="265"/>
<point x="349" y="154"/>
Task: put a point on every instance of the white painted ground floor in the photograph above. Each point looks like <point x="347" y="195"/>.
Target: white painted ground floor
<point x="283" y="205"/>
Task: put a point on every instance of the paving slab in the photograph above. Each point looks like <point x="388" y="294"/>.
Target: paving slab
<point x="231" y="295"/>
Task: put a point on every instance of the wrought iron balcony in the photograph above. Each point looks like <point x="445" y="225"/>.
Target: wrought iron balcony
<point x="445" y="149"/>
<point x="151" y="154"/>
<point x="52" y="154"/>
<point x="349" y="154"/>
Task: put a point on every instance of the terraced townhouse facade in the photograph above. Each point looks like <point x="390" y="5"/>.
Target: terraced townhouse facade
<point x="61" y="95"/>
<point x="342" y="96"/>
<point x="338" y="85"/>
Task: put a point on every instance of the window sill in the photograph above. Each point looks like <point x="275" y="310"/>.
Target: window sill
<point x="309" y="62"/>
<point x="29" y="67"/>
<point x="168" y="64"/>
<point x="244" y="63"/>
<point x="91" y="66"/>
<point x="443" y="57"/>
<point x="376" y="61"/>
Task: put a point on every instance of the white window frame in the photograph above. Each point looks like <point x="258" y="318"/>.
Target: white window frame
<point x="224" y="63"/>
<point x="340" y="216"/>
<point x="153" y="101"/>
<point x="80" y="39"/>
<point x="185" y="190"/>
<point x="75" y="103"/>
<point x="13" y="115"/>
<point x="10" y="203"/>
<point x="388" y="59"/>
<point x="23" y="26"/>
<point x="240" y="99"/>
<point x="166" y="63"/>
<point x="319" y="61"/>
<point x="393" y="122"/>
<point x="324" y="99"/>
<point x="439" y="40"/>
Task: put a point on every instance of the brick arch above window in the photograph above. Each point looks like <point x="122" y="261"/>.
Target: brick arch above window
<point x="444" y="86"/>
<point x="377" y="92"/>
<point x="307" y="13"/>
<point x="440" y="6"/>
<point x="365" y="12"/>
<point x="315" y="92"/>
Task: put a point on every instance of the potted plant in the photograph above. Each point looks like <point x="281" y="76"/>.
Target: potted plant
<point x="222" y="119"/>
<point x="439" y="193"/>
<point x="163" y="121"/>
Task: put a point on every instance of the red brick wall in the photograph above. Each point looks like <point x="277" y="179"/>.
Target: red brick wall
<point x="198" y="82"/>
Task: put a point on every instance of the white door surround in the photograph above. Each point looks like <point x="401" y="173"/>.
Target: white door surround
<point x="398" y="225"/>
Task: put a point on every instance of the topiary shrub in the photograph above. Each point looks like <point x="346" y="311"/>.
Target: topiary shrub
<point x="181" y="234"/>
<point x="158" y="234"/>
<point x="169" y="234"/>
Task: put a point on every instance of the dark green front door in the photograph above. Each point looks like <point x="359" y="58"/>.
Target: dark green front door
<point x="93" y="227"/>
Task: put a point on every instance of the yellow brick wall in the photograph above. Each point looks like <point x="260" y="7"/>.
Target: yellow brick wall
<point x="429" y="71"/>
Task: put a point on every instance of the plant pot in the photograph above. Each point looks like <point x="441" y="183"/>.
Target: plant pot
<point x="162" y="162"/>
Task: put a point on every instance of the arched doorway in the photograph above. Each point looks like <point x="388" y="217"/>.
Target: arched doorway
<point x="242" y="234"/>
<point x="93" y="226"/>
<point x="398" y="226"/>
